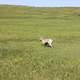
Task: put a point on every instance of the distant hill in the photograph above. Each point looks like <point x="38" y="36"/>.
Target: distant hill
<point x="12" y="11"/>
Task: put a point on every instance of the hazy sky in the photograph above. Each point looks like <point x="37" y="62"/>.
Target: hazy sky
<point x="51" y="3"/>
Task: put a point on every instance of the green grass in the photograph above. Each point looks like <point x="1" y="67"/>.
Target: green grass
<point x="22" y="57"/>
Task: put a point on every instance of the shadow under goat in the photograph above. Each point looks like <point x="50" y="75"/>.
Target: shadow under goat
<point x="47" y="42"/>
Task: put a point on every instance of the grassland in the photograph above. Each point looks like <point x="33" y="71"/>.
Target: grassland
<point x="22" y="57"/>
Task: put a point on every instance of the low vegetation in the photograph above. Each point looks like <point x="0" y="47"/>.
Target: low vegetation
<point x="22" y="57"/>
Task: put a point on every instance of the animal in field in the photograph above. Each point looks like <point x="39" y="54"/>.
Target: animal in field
<point x="47" y="42"/>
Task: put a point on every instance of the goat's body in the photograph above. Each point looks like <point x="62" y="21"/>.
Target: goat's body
<point x="47" y="42"/>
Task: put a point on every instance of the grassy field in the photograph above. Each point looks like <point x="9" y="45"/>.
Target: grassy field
<point x="22" y="57"/>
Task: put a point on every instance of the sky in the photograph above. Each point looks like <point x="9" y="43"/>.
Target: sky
<point x="43" y="3"/>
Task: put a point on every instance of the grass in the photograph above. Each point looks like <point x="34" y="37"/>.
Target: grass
<point x="22" y="57"/>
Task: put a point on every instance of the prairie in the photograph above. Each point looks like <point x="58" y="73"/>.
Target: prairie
<point x="22" y="57"/>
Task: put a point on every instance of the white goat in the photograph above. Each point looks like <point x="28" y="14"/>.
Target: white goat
<point x="47" y="42"/>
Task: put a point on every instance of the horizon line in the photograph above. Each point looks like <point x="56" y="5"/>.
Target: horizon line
<point x="37" y="5"/>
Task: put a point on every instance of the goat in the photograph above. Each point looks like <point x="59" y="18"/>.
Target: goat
<point x="47" y="42"/>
